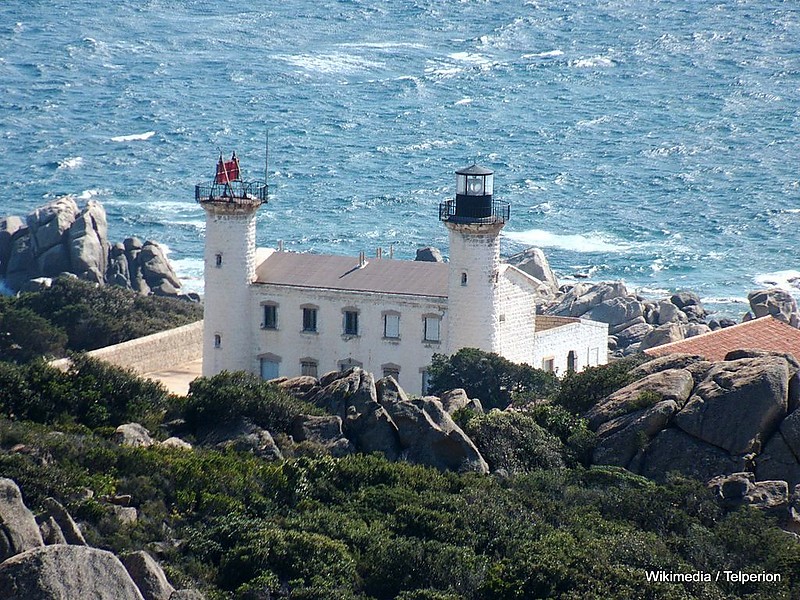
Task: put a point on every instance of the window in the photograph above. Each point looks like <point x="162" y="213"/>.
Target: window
<point x="308" y="367"/>
<point x="431" y="326"/>
<point x="392" y="371"/>
<point x="217" y="340"/>
<point x="309" y="318"/>
<point x="348" y="363"/>
<point x="463" y="279"/>
<point x="571" y="361"/>
<point x="218" y="260"/>
<point x="548" y="365"/>
<point x="270" y="316"/>
<point x="270" y="366"/>
<point x="425" y="381"/>
<point x="351" y="322"/>
<point x="391" y="325"/>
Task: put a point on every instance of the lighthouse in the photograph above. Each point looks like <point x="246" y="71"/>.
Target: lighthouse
<point x="474" y="220"/>
<point x="230" y="204"/>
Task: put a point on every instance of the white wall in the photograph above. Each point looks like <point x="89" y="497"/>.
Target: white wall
<point x="329" y="345"/>
<point x="474" y="307"/>
<point x="517" y="315"/>
<point x="588" y="339"/>
<point x="230" y="233"/>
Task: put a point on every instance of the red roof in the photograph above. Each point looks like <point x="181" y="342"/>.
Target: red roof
<point x="765" y="333"/>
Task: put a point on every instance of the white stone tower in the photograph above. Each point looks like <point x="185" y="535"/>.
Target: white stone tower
<point x="474" y="220"/>
<point x="230" y="263"/>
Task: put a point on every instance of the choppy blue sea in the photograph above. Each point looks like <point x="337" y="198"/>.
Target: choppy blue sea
<point x="652" y="141"/>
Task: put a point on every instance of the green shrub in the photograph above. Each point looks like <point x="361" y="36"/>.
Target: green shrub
<point x="513" y="441"/>
<point x="579" y="441"/>
<point x="579" y="391"/>
<point x="24" y="335"/>
<point x="488" y="376"/>
<point x="228" y="396"/>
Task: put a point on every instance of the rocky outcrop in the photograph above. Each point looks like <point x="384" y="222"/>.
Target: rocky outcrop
<point x="147" y="575"/>
<point x="133" y="434"/>
<point x="59" y="238"/>
<point x="243" y="436"/>
<point x="326" y="431"/>
<point x="533" y="262"/>
<point x="18" y="529"/>
<point x="429" y="254"/>
<point x="738" y="404"/>
<point x="776" y="302"/>
<point x="66" y="567"/>
<point x="427" y="433"/>
<point x="59" y="572"/>
<point x="372" y="417"/>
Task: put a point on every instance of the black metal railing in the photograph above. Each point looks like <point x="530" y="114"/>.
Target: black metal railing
<point x="450" y="211"/>
<point x="239" y="192"/>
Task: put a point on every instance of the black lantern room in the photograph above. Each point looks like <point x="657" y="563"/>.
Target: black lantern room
<point x="474" y="202"/>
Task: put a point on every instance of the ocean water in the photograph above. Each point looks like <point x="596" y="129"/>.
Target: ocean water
<point x="649" y="141"/>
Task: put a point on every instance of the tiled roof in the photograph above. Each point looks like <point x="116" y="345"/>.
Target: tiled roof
<point x="766" y="333"/>
<point x="388" y="276"/>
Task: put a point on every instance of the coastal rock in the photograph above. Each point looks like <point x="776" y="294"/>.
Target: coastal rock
<point x="69" y="529"/>
<point x="243" y="436"/>
<point x="21" y="260"/>
<point x="778" y="461"/>
<point x="300" y="387"/>
<point x="326" y="431"/>
<point x="133" y="434"/>
<point x="88" y="243"/>
<point x="738" y="404"/>
<point x="18" y="529"/>
<point x="175" y="443"/>
<point x="618" y="311"/>
<point x="533" y="262"/>
<point x="673" y="450"/>
<point x="663" y="334"/>
<point x="454" y="400"/>
<point x="593" y="296"/>
<point x="633" y="334"/>
<point x="51" y="532"/>
<point x="8" y="227"/>
<point x="427" y="433"/>
<point x="620" y="439"/>
<point x="694" y="329"/>
<point x="187" y="595"/>
<point x="48" y="224"/>
<point x="663" y="363"/>
<point x="118" y="271"/>
<point x="429" y="254"/>
<point x="776" y="302"/>
<point x="672" y="384"/>
<point x="157" y="272"/>
<point x="148" y="575"/>
<point x="683" y="300"/>
<point x="60" y="572"/>
<point x="669" y="313"/>
<point x="351" y="395"/>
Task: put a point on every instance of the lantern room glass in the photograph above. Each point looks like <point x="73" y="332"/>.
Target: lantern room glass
<point x="474" y="185"/>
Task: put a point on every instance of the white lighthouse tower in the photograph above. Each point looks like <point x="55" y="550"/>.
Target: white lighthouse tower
<point x="230" y="263"/>
<point x="474" y="220"/>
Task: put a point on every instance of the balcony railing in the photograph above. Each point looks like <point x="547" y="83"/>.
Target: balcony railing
<point x="239" y="192"/>
<point x="498" y="212"/>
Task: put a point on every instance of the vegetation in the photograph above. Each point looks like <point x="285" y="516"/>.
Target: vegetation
<point x="363" y="528"/>
<point x="227" y="397"/>
<point x="493" y="379"/>
<point x="77" y="315"/>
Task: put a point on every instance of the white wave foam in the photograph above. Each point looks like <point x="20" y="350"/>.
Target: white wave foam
<point x="71" y="163"/>
<point x="470" y="57"/>
<point x="92" y="193"/>
<point x="190" y="272"/>
<point x="788" y="280"/>
<point x="595" y="62"/>
<point x="463" y="101"/>
<point x="333" y="63"/>
<point x="134" y="137"/>
<point x="548" y="54"/>
<point x="591" y="242"/>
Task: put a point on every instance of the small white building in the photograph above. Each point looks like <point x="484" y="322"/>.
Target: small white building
<point x="286" y="314"/>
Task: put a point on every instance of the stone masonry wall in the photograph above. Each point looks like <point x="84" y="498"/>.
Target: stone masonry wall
<point x="157" y="352"/>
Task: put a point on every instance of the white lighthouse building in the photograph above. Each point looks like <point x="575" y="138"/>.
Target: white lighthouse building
<point x="281" y="313"/>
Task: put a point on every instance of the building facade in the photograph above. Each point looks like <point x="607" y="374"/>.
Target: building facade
<point x="286" y="314"/>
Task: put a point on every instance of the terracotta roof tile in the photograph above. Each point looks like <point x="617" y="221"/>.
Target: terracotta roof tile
<point x="766" y="333"/>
